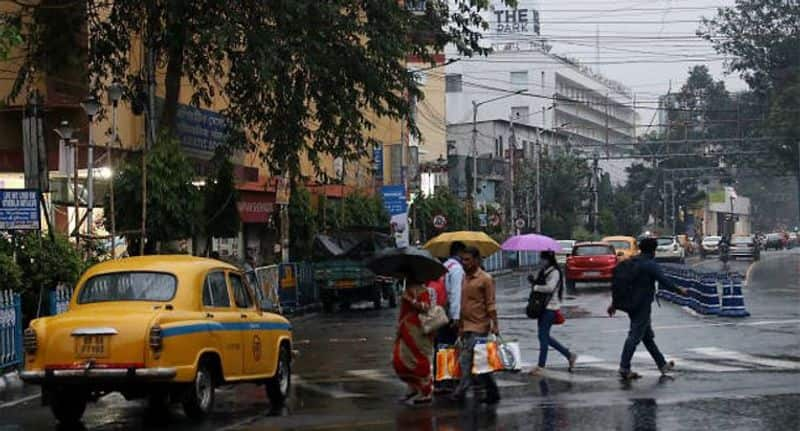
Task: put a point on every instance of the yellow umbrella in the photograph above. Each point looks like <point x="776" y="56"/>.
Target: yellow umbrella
<point x="440" y="245"/>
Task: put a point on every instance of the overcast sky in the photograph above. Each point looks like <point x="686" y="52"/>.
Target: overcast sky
<point x="642" y="43"/>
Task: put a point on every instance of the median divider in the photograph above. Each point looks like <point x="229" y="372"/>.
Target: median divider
<point x="710" y="292"/>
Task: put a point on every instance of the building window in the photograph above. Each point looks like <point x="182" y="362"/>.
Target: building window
<point x="453" y="83"/>
<point x="520" y="114"/>
<point x="451" y="148"/>
<point x="542" y="80"/>
<point x="498" y="146"/>
<point x="519" y="79"/>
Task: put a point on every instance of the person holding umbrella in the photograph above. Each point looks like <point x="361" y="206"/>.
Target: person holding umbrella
<point x="413" y="348"/>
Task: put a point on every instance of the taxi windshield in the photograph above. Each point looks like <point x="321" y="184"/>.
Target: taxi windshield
<point x="128" y="286"/>
<point x="620" y="245"/>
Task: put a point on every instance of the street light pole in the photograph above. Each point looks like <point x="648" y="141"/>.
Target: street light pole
<point x="114" y="94"/>
<point x="538" y="182"/>
<point x="91" y="107"/>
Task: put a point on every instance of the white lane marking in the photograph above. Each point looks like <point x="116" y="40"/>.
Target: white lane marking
<point x="607" y="366"/>
<point x="330" y="392"/>
<point x="588" y="359"/>
<point x="568" y="377"/>
<point x="20" y="401"/>
<point x="374" y="375"/>
<point x="687" y="364"/>
<point x="509" y="383"/>
<point x="704" y="325"/>
<point x="746" y="358"/>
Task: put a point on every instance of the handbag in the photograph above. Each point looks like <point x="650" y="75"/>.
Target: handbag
<point x="486" y="357"/>
<point x="433" y="319"/>
<point x="447" y="365"/>
<point x="510" y="355"/>
<point x="559" y="319"/>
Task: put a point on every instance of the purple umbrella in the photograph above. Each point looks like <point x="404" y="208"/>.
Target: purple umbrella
<point x="531" y="242"/>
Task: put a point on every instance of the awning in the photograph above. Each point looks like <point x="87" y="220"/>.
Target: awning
<point x="255" y="207"/>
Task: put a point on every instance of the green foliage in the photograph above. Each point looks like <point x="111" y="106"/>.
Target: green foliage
<point x="10" y="273"/>
<point x="173" y="203"/>
<point x="220" y="215"/>
<point x="580" y="233"/>
<point x="302" y="227"/>
<point x="9" y="38"/>
<point x="355" y="210"/>
<point x="425" y="208"/>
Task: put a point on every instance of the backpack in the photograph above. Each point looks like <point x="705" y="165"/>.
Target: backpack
<point x="623" y="295"/>
<point x="537" y="301"/>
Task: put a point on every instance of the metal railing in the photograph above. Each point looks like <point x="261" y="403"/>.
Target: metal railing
<point x="60" y="298"/>
<point x="10" y="329"/>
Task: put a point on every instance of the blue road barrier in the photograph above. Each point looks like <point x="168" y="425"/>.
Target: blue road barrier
<point x="10" y="330"/>
<point x="710" y="292"/>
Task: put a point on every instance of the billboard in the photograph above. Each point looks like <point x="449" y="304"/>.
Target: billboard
<point x="19" y="209"/>
<point x="394" y="200"/>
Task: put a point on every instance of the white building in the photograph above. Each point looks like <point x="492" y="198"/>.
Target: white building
<point x="560" y="94"/>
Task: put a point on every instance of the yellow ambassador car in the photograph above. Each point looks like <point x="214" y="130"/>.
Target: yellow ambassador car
<point x="626" y="247"/>
<point x="166" y="328"/>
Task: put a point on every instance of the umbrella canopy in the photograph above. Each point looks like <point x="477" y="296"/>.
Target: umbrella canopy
<point x="531" y="242"/>
<point x="407" y="262"/>
<point x="440" y="246"/>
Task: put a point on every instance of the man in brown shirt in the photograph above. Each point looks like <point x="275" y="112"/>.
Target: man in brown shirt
<point x="478" y="319"/>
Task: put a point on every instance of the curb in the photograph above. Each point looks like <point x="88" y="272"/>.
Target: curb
<point x="10" y="382"/>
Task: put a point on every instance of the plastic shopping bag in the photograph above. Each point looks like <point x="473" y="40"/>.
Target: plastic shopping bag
<point x="486" y="357"/>
<point x="447" y="365"/>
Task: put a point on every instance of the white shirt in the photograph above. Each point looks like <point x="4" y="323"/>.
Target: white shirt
<point x="453" y="283"/>
<point x="551" y="283"/>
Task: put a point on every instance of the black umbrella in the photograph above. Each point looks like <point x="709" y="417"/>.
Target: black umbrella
<point x="408" y="262"/>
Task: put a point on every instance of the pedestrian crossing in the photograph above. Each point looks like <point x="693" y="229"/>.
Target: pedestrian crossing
<point x="588" y="370"/>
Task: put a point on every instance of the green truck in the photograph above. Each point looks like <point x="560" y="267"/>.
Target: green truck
<point x="341" y="274"/>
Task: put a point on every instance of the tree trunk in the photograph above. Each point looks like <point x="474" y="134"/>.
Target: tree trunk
<point x="174" y="72"/>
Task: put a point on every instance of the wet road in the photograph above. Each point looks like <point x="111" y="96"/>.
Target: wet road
<point x="737" y="374"/>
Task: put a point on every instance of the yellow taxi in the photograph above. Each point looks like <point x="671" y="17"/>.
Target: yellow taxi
<point x="166" y="328"/>
<point x="626" y="247"/>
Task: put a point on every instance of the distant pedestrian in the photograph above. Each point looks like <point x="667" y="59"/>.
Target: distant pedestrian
<point x="642" y="293"/>
<point x="413" y="349"/>
<point x="453" y="281"/>
<point x="478" y="319"/>
<point x="549" y="280"/>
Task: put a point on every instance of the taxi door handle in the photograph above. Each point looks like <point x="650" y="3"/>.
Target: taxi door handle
<point x="243" y="316"/>
<point x="209" y="316"/>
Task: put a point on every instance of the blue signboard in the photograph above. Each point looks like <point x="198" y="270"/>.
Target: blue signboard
<point x="394" y="199"/>
<point x="199" y="130"/>
<point x="377" y="157"/>
<point x="19" y="209"/>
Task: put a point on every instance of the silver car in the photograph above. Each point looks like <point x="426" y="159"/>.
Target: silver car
<point x="745" y="247"/>
<point x="566" y="250"/>
<point x="669" y="249"/>
<point x="710" y="245"/>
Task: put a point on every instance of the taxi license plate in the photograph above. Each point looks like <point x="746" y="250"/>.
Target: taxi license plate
<point x="591" y="274"/>
<point x="345" y="283"/>
<point x="92" y="346"/>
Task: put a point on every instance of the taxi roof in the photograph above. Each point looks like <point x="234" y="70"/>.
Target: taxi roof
<point x="173" y="264"/>
<point x="619" y="238"/>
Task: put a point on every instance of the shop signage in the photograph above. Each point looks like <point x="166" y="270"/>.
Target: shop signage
<point x="255" y="207"/>
<point x="19" y="209"/>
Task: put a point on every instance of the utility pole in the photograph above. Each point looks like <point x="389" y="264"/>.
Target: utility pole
<point x="595" y="192"/>
<point x="538" y="183"/>
<point x="607" y="149"/>
<point x="512" y="149"/>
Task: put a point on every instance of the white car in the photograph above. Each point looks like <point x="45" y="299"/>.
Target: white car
<point x="566" y="250"/>
<point x="669" y="249"/>
<point x="710" y="245"/>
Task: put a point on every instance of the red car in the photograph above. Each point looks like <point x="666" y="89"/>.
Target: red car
<point x="591" y="264"/>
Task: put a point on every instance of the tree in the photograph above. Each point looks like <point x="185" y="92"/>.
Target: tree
<point x="173" y="202"/>
<point x="306" y="77"/>
<point x="9" y="37"/>
<point x="220" y="215"/>
<point x="442" y="202"/>
<point x="302" y="227"/>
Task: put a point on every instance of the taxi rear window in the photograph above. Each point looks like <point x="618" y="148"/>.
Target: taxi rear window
<point x="128" y="286"/>
<point x="593" y="250"/>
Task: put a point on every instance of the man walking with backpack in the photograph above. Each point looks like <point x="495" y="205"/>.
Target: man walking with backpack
<point x="633" y="291"/>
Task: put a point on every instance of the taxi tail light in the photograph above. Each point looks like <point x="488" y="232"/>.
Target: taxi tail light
<point x="29" y="341"/>
<point x="156" y="339"/>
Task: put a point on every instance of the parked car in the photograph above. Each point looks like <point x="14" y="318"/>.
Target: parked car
<point x="709" y="246"/>
<point x="591" y="264"/>
<point x="670" y="250"/>
<point x="166" y="328"/>
<point x="566" y="250"/>
<point x="625" y="246"/>
<point x="774" y="241"/>
<point x="746" y="247"/>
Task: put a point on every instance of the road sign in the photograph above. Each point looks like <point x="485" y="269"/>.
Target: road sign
<point x="439" y="221"/>
<point x="483" y="220"/>
<point x="519" y="223"/>
<point x="19" y="209"/>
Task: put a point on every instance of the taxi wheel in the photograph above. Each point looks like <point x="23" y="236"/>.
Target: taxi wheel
<point x="199" y="399"/>
<point x="68" y="405"/>
<point x="278" y="386"/>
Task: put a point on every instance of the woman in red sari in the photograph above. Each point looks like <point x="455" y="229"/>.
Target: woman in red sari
<point x="413" y="349"/>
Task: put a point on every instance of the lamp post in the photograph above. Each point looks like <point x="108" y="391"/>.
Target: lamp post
<point x="114" y="96"/>
<point x="65" y="133"/>
<point x="91" y="107"/>
<point x="475" y="106"/>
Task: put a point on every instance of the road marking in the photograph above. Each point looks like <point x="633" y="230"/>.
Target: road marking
<point x="509" y="383"/>
<point x="330" y="392"/>
<point x="374" y="375"/>
<point x="588" y="359"/>
<point x="569" y="377"/>
<point x="746" y="358"/>
<point x="686" y="364"/>
<point x="607" y="366"/>
<point x="703" y="325"/>
<point x="20" y="401"/>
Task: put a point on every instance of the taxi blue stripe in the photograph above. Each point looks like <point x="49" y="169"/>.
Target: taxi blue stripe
<point x="224" y="326"/>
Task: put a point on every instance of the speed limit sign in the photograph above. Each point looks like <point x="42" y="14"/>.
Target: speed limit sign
<point x="439" y="221"/>
<point x="519" y="223"/>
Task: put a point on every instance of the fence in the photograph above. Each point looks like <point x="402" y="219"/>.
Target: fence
<point x="59" y="299"/>
<point x="510" y="260"/>
<point x="710" y="292"/>
<point x="10" y="329"/>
